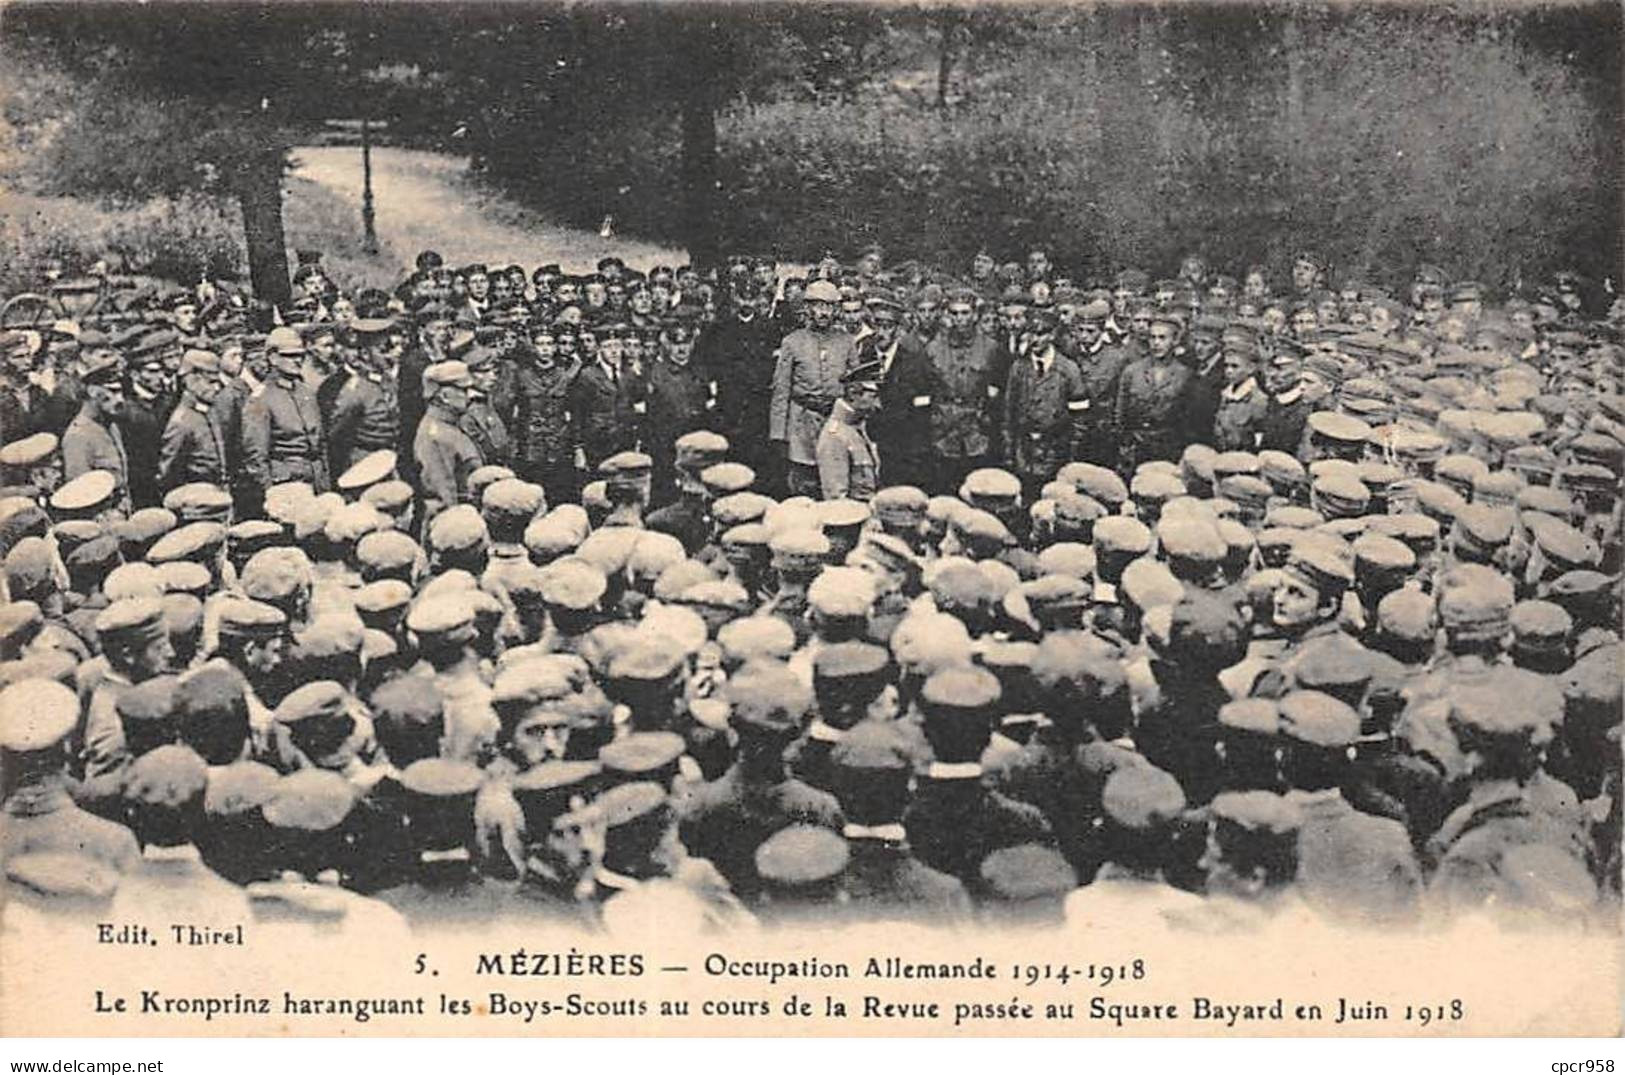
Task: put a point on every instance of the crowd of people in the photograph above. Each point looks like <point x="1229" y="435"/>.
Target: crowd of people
<point x="871" y="593"/>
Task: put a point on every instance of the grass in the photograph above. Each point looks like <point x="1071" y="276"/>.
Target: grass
<point x="315" y="218"/>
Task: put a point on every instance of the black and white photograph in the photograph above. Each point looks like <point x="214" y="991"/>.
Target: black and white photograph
<point x="600" y="518"/>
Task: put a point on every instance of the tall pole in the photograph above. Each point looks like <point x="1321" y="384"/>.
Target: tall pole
<point x="368" y="227"/>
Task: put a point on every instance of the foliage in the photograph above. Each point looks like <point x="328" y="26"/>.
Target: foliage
<point x="176" y="238"/>
<point x="1130" y="137"/>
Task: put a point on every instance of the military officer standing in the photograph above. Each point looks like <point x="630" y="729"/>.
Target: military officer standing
<point x="194" y="446"/>
<point x="93" y="440"/>
<point x="848" y="462"/>
<point x="807" y="382"/>
<point x="445" y="454"/>
<point x="366" y="408"/>
<point x="283" y="436"/>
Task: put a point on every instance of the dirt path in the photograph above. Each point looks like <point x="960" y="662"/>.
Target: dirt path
<point x="425" y="201"/>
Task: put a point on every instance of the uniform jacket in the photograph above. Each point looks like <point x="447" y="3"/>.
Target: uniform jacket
<point x="848" y="462"/>
<point x="487" y="430"/>
<point x="1150" y="404"/>
<point x="541" y="400"/>
<point x="727" y="819"/>
<point x="143" y="424"/>
<point x="954" y="823"/>
<point x="806" y="384"/>
<point x="1044" y="411"/>
<point x="964" y="396"/>
<point x="42" y="817"/>
<point x="606" y="411"/>
<point x="88" y="444"/>
<point x="283" y="436"/>
<point x="737" y="356"/>
<point x="445" y="458"/>
<point x="1238" y="421"/>
<point x="193" y="448"/>
<point x="363" y="419"/>
<point x="902" y="429"/>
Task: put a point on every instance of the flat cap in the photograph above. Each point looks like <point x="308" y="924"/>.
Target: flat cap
<point x="131" y="619"/>
<point x="1121" y="534"/>
<point x="1141" y="797"/>
<point x="245" y="618"/>
<point x="1257" y="715"/>
<point x="369" y="470"/>
<point x="29" y="451"/>
<point x="457" y="528"/>
<point x="899" y="505"/>
<point x="751" y="637"/>
<point x="1318" y="719"/>
<point x="170" y="776"/>
<point x="275" y="574"/>
<point x="724" y="479"/>
<point x="801" y="855"/>
<point x="194" y="541"/>
<point x="36" y="714"/>
<point x="448" y="373"/>
<point x="573" y="583"/>
<point x="642" y="753"/>
<point x="88" y="493"/>
<point x="323" y="698"/>
<point x="310" y="800"/>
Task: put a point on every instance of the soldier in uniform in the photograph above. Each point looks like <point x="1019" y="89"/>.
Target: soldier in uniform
<point x="848" y="462"/>
<point x="481" y="419"/>
<point x="194" y="445"/>
<point x="963" y="397"/>
<point x="807" y="383"/>
<point x="146" y="411"/>
<point x="366" y="408"/>
<point x="445" y="455"/>
<point x="93" y="440"/>
<point x="283" y="435"/>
